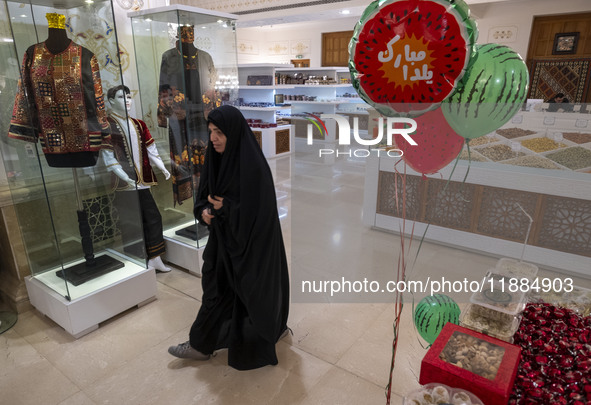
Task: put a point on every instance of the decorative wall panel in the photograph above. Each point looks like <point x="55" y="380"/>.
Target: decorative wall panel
<point x="390" y="192"/>
<point x="559" y="223"/>
<point x="258" y="135"/>
<point x="278" y="48"/>
<point x="566" y="225"/>
<point x="500" y="215"/>
<point x="282" y="141"/>
<point x="450" y="206"/>
<point x="248" y="47"/>
<point x="103" y="225"/>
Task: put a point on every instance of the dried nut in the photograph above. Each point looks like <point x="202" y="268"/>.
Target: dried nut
<point x="542" y="144"/>
<point x="511" y="133"/>
<point x="481" y="358"/>
<point x="499" y="152"/>
<point x="577" y="137"/>
<point x="532" y="161"/>
<point x="574" y="158"/>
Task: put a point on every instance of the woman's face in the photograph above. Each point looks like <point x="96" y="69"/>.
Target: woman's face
<point x="217" y="138"/>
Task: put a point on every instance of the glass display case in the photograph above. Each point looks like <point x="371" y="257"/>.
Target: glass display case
<point x="82" y="270"/>
<point x="186" y="63"/>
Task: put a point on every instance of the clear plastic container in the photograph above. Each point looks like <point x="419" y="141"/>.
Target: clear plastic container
<point x="435" y="393"/>
<point x="502" y="329"/>
<point x="577" y="300"/>
<point x="496" y="300"/>
<point x="516" y="269"/>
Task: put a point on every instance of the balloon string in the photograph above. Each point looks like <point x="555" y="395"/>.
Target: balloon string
<point x="452" y="172"/>
<point x="469" y="164"/>
<point x="401" y="269"/>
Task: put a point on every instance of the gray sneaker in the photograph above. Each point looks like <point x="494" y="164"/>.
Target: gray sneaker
<point x="185" y="351"/>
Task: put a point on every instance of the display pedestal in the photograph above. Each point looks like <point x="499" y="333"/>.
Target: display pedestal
<point x="194" y="232"/>
<point x="183" y="254"/>
<point x="83" y="315"/>
<point x="83" y="272"/>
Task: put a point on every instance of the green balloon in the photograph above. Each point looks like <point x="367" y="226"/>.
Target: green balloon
<point x="492" y="91"/>
<point x="432" y="313"/>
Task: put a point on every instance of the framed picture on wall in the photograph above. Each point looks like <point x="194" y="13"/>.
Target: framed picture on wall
<point x="565" y="43"/>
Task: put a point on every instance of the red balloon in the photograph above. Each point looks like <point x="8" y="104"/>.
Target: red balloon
<point x="437" y="143"/>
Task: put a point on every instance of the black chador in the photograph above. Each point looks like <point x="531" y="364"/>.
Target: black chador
<point x="245" y="276"/>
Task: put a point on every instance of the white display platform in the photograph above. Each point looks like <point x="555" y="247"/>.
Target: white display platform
<point x="105" y="297"/>
<point x="183" y="252"/>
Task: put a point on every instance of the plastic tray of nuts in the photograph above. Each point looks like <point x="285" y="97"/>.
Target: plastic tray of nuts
<point x="516" y="269"/>
<point x="497" y="299"/>
<point x="502" y="329"/>
<point x="435" y="393"/>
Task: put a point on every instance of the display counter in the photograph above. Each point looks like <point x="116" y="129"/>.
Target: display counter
<point x="484" y="212"/>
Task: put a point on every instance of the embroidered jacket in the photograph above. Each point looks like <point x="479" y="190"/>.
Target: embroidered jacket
<point x="60" y="102"/>
<point x="187" y="85"/>
<point x="142" y="172"/>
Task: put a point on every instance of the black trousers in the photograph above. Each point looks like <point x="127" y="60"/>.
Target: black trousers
<point x="133" y="224"/>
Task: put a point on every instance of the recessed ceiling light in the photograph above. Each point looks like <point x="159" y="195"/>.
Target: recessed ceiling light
<point x="345" y="11"/>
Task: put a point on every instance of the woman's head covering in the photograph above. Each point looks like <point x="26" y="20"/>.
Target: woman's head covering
<point x="241" y="156"/>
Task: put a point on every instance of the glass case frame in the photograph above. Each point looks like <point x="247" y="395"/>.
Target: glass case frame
<point x="159" y="44"/>
<point x="70" y="232"/>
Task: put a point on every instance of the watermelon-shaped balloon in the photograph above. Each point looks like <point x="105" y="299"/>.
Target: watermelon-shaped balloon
<point x="407" y="56"/>
<point x="432" y="313"/>
<point x="437" y="144"/>
<point x="492" y="91"/>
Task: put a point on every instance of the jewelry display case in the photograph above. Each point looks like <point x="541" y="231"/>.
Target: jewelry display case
<point x="81" y="271"/>
<point x="187" y="65"/>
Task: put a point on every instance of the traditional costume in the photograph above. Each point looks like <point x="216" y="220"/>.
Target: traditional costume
<point x="186" y="95"/>
<point x="133" y="149"/>
<point x="60" y="102"/>
<point x="245" y="278"/>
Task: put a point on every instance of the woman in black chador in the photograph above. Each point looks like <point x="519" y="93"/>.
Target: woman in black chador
<point x="244" y="277"/>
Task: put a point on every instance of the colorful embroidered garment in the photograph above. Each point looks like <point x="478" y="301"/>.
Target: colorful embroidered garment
<point x="137" y="167"/>
<point x="60" y="102"/>
<point x="186" y="95"/>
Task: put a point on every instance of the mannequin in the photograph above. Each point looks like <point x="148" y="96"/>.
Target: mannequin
<point x="70" y="121"/>
<point x="130" y="160"/>
<point x="57" y="39"/>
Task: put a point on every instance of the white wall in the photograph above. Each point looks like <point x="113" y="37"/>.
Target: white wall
<point x="274" y="44"/>
<point x="520" y="14"/>
<point x="515" y="16"/>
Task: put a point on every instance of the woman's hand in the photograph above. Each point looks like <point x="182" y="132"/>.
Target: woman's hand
<point x="207" y="216"/>
<point x="216" y="201"/>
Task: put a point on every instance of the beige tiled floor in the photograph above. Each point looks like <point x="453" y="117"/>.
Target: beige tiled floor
<point x="340" y="352"/>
